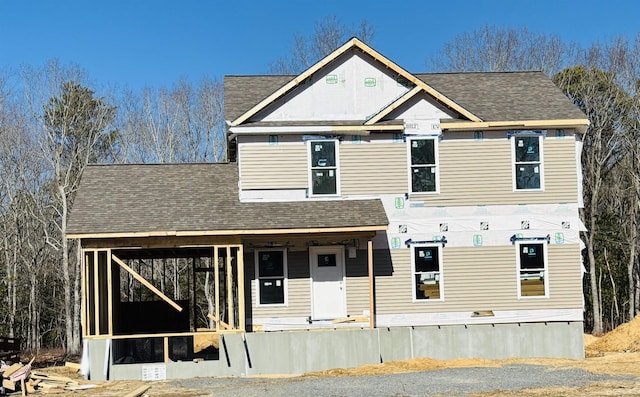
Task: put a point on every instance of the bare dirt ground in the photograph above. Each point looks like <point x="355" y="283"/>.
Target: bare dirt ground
<point x="616" y="353"/>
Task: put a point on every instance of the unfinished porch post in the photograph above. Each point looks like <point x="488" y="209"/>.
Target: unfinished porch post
<point x="372" y="323"/>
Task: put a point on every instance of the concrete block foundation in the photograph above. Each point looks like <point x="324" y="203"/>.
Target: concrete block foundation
<point x="296" y="352"/>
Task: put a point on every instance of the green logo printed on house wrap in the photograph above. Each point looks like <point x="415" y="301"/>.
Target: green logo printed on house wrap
<point x="399" y="203"/>
<point x="395" y="242"/>
<point x="331" y="79"/>
<point x="370" y="82"/>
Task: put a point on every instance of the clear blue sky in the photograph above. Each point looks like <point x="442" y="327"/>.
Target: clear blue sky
<point x="136" y="43"/>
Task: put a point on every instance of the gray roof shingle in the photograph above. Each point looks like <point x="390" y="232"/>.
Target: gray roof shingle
<point x="492" y="96"/>
<point x="197" y="197"/>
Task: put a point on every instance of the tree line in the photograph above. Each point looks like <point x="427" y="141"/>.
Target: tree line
<point x="54" y="122"/>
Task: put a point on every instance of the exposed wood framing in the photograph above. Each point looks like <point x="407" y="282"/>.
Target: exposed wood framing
<point x="109" y="293"/>
<point x="165" y="347"/>
<point x="372" y="312"/>
<point x="230" y="307"/>
<point x="145" y="283"/>
<point x="578" y="124"/>
<point x="216" y="276"/>
<point x="222" y="323"/>
<point x="228" y="232"/>
<point x="83" y="296"/>
<point x="96" y="293"/>
<point x="240" y="260"/>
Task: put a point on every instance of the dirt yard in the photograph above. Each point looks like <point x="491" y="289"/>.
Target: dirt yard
<point x="616" y="353"/>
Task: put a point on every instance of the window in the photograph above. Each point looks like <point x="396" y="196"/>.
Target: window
<point x="527" y="162"/>
<point x="424" y="168"/>
<point x="324" y="168"/>
<point x="532" y="269"/>
<point x="427" y="272"/>
<point x="271" y="269"/>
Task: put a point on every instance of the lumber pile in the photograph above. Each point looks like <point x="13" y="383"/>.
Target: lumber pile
<point x="23" y="378"/>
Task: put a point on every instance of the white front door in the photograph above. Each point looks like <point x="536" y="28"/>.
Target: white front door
<point x="327" y="283"/>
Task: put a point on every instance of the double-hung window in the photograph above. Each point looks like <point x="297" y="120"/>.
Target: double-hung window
<point x="532" y="269"/>
<point x="423" y="155"/>
<point x="271" y="274"/>
<point x="324" y="167"/>
<point x="427" y="272"/>
<point x="527" y="157"/>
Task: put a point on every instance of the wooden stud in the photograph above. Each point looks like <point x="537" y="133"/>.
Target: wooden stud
<point x="96" y="294"/>
<point x="216" y="277"/>
<point x="230" y="314"/>
<point x="146" y="283"/>
<point x="165" y="343"/>
<point x="372" y="323"/>
<point x="109" y="294"/>
<point x="240" y="254"/>
<point x="222" y="323"/>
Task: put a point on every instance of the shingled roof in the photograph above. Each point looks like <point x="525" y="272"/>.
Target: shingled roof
<point x="121" y="199"/>
<point x="492" y="96"/>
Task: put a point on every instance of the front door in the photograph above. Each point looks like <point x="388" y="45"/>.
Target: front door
<point x="327" y="283"/>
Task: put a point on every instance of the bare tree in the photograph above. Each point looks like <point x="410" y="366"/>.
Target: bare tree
<point x="329" y="34"/>
<point x="492" y="49"/>
<point x="182" y="124"/>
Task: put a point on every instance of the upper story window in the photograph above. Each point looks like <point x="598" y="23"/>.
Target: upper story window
<point x="532" y="269"/>
<point x="323" y="172"/>
<point x="423" y="157"/>
<point x="271" y="274"/>
<point x="527" y="159"/>
<point x="427" y="272"/>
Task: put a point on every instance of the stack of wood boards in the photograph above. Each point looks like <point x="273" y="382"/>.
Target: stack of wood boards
<point x="21" y="377"/>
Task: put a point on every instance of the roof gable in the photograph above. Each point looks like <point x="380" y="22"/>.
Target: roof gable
<point x="353" y="44"/>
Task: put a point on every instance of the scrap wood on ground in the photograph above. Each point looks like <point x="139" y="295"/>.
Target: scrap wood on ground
<point x="22" y="377"/>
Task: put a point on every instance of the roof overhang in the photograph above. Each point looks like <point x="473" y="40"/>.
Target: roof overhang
<point x="579" y="125"/>
<point x="194" y="233"/>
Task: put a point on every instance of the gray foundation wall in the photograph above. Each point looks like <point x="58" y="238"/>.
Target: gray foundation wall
<point x="296" y="352"/>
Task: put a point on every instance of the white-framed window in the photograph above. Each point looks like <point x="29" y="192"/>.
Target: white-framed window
<point x="423" y="165"/>
<point x="323" y="167"/>
<point x="527" y="162"/>
<point x="426" y="261"/>
<point x="533" y="280"/>
<point x="271" y="276"/>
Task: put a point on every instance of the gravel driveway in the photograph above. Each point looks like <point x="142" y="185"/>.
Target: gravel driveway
<point x="442" y="382"/>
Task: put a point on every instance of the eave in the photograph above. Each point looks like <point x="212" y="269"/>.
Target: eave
<point x="579" y="124"/>
<point x="193" y="233"/>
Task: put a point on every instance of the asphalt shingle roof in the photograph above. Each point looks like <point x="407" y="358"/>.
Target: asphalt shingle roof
<point x="492" y="96"/>
<point x="197" y="197"/>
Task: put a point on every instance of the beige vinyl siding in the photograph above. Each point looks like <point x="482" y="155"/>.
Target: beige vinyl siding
<point x="357" y="285"/>
<point x="281" y="166"/>
<point x="482" y="278"/>
<point x="299" y="290"/>
<point x="481" y="173"/>
<point x="373" y="168"/>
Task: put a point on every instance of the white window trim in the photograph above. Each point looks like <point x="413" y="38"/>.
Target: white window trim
<point x="285" y="275"/>
<point x="309" y="170"/>
<point x="545" y="251"/>
<point x="413" y="272"/>
<point x="513" y="162"/>
<point x="436" y="149"/>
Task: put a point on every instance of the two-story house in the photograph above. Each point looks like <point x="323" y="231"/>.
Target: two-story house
<point x="395" y="215"/>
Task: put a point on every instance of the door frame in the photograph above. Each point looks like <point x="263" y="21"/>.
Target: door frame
<point x="339" y="251"/>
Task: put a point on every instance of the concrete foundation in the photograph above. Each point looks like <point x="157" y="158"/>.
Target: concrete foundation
<point x="295" y="352"/>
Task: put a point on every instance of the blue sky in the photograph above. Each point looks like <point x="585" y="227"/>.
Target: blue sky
<point x="137" y="43"/>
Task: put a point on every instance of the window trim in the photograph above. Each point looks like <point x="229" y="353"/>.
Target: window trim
<point x="285" y="277"/>
<point x="310" y="168"/>
<point x="440" y="247"/>
<point x="540" y="161"/>
<point x="545" y="252"/>
<point x="436" y="149"/>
